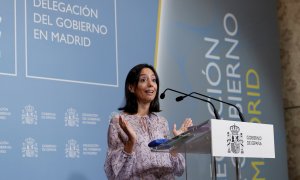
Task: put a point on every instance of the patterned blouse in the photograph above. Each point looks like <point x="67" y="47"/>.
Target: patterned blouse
<point x="142" y="163"/>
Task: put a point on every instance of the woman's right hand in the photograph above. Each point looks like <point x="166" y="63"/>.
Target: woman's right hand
<point x="128" y="146"/>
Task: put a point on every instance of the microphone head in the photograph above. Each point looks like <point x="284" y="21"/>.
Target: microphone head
<point x="162" y="95"/>
<point x="179" y="98"/>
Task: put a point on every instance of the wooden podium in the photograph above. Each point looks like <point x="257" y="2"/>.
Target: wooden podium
<point x="224" y="138"/>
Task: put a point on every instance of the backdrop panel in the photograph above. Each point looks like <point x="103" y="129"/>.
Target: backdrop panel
<point x="228" y="50"/>
<point x="63" y="66"/>
<point x="62" y="71"/>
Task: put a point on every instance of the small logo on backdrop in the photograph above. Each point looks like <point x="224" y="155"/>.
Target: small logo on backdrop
<point x="29" y="115"/>
<point x="71" y="118"/>
<point x="72" y="149"/>
<point x="30" y="148"/>
<point x="235" y="140"/>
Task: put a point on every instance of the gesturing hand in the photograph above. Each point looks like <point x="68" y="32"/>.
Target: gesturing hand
<point x="184" y="127"/>
<point x="128" y="146"/>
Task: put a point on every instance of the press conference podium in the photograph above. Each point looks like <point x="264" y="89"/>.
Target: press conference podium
<point x="223" y="138"/>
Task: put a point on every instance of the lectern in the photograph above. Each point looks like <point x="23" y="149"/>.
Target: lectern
<point x="224" y="138"/>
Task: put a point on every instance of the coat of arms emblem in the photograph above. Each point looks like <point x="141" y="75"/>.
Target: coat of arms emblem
<point x="235" y="140"/>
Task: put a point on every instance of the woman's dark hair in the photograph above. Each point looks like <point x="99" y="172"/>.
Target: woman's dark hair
<point x="132" y="79"/>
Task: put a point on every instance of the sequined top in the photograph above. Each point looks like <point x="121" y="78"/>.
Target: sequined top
<point x="142" y="163"/>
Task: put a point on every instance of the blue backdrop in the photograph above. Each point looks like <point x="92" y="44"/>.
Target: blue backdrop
<point x="63" y="65"/>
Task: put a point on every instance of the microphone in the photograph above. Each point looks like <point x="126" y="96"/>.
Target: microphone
<point x="162" y="96"/>
<point x="180" y="98"/>
<point x="217" y="116"/>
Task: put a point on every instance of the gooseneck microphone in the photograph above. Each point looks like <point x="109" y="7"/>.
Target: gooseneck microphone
<point x="180" y="98"/>
<point x="217" y="116"/>
<point x="163" y="95"/>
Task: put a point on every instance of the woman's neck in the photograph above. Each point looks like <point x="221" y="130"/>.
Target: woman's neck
<point x="143" y="109"/>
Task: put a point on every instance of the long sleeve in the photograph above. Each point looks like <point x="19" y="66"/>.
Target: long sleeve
<point x="142" y="163"/>
<point x="118" y="164"/>
<point x="178" y="162"/>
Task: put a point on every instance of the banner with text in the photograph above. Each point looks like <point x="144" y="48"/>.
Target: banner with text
<point x="228" y="50"/>
<point x="62" y="70"/>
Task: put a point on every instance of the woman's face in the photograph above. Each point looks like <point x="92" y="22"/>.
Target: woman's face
<point x="146" y="88"/>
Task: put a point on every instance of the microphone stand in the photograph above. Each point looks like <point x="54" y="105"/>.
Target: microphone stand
<point x="217" y="116"/>
<point x="179" y="98"/>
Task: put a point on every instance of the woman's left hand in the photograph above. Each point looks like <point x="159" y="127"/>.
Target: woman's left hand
<point x="184" y="127"/>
